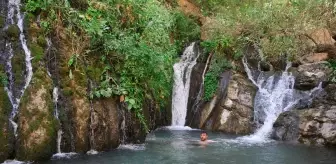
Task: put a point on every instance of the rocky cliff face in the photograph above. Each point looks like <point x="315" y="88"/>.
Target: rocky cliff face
<point x="314" y="124"/>
<point x="100" y="124"/>
<point x="231" y="109"/>
<point x="311" y="125"/>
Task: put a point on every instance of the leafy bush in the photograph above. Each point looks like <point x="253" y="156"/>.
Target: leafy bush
<point x="3" y="79"/>
<point x="218" y="65"/>
<point x="332" y="65"/>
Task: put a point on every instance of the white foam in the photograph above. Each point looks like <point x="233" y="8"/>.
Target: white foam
<point x="135" y="147"/>
<point x="63" y="155"/>
<point x="15" y="162"/>
<point x="92" y="152"/>
<point x="186" y="128"/>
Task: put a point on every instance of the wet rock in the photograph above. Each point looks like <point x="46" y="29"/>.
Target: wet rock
<point x="193" y="113"/>
<point x="37" y="126"/>
<point x="286" y="127"/>
<point x="132" y="130"/>
<point x="315" y="125"/>
<point x="105" y="125"/>
<point x="311" y="75"/>
<point x="230" y="111"/>
<point x="237" y="107"/>
<point x="81" y="120"/>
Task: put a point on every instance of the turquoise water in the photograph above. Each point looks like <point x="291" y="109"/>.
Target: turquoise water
<point x="165" y="146"/>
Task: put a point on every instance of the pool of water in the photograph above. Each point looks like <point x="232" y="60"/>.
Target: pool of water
<point x="171" y="146"/>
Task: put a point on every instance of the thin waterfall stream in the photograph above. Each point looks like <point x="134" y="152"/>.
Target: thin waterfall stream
<point x="14" y="7"/>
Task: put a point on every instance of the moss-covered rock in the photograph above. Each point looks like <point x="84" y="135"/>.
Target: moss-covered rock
<point x="13" y="32"/>
<point x="6" y="134"/>
<point x="37" y="51"/>
<point x="2" y="22"/>
<point x="41" y="40"/>
<point x="37" y="126"/>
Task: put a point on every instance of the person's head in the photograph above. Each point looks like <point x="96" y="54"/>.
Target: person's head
<point x="204" y="136"/>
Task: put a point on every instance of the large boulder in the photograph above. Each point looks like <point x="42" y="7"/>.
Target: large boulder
<point x="317" y="126"/>
<point x="237" y="107"/>
<point x="311" y="75"/>
<point x="230" y="111"/>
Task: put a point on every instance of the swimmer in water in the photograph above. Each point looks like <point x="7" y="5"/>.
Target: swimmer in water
<point x="204" y="139"/>
<point x="204" y="136"/>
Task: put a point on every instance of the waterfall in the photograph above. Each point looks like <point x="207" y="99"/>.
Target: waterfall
<point x="200" y="93"/>
<point x="276" y="94"/>
<point x="14" y="8"/>
<point x="182" y="73"/>
<point x="56" y="114"/>
<point x="92" y="134"/>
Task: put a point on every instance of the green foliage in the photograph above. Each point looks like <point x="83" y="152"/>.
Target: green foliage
<point x="216" y="44"/>
<point x="35" y="5"/>
<point x="3" y="79"/>
<point x="332" y="65"/>
<point x="266" y="24"/>
<point x="185" y="29"/>
<point x="135" y="42"/>
<point x="218" y="65"/>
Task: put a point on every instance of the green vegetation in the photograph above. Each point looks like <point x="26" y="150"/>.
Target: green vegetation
<point x="219" y="63"/>
<point x="131" y="44"/>
<point x="128" y="47"/>
<point x="332" y="65"/>
<point x="278" y="27"/>
<point x="3" y="79"/>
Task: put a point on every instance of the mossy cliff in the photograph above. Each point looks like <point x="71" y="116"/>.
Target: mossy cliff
<point x="6" y="133"/>
<point x="37" y="127"/>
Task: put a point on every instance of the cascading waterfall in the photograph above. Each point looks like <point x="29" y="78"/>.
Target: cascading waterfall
<point x="182" y="73"/>
<point x="14" y="7"/>
<point x="276" y="94"/>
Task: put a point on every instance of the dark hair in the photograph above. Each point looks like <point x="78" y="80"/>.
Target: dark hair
<point x="204" y="132"/>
